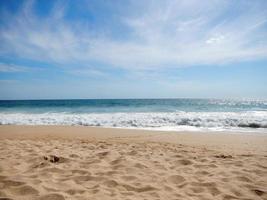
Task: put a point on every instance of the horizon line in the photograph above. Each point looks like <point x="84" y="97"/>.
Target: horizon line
<point x="163" y="98"/>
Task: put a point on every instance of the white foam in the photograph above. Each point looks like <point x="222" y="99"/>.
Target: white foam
<point x="215" y="121"/>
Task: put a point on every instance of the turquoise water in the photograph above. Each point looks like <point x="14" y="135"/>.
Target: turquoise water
<point x="161" y="114"/>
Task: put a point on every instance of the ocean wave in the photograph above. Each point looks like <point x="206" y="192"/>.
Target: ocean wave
<point x="174" y="121"/>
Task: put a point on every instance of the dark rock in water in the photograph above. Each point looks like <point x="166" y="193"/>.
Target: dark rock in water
<point x="250" y="125"/>
<point x="52" y="158"/>
<point x="254" y="125"/>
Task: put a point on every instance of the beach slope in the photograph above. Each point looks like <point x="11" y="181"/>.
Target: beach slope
<point x="66" y="162"/>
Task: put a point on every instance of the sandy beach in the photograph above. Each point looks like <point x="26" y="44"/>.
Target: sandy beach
<point x="67" y="162"/>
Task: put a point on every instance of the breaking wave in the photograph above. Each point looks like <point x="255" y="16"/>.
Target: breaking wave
<point x="240" y="121"/>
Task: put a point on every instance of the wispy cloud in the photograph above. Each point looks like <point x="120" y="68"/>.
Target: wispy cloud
<point x="11" y="68"/>
<point x="87" y="72"/>
<point x="164" y="34"/>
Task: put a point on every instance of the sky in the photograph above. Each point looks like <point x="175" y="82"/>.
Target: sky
<point x="133" y="49"/>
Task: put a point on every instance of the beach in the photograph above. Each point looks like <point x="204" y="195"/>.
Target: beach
<point x="133" y="100"/>
<point x="79" y="162"/>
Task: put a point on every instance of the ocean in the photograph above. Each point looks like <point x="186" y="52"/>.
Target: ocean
<point x="153" y="114"/>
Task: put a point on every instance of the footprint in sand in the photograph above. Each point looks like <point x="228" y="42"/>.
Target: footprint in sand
<point x="78" y="171"/>
<point x="54" y="196"/>
<point x="128" y="178"/>
<point x="10" y="183"/>
<point x="2" y="194"/>
<point x="140" y="166"/>
<point x="183" y="162"/>
<point x="138" y="189"/>
<point x="197" y="189"/>
<point x="24" y="190"/>
<point x="117" y="161"/>
<point x="111" y="183"/>
<point x="176" y="179"/>
<point x="243" y="179"/>
<point x="73" y="191"/>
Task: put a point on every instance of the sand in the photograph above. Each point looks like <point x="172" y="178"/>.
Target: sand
<point x="57" y="162"/>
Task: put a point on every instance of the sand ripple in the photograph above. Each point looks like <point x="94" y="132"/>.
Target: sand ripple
<point x="84" y="169"/>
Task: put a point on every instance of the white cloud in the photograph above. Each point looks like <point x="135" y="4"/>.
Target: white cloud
<point x="215" y="40"/>
<point x="165" y="34"/>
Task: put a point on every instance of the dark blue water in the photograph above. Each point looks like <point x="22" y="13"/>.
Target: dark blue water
<point x="131" y="105"/>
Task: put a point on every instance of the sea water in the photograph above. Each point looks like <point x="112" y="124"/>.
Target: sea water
<point x="155" y="114"/>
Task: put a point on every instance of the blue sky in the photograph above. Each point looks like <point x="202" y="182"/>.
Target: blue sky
<point x="133" y="49"/>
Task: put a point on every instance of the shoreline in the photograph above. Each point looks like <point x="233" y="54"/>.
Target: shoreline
<point x="218" y="140"/>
